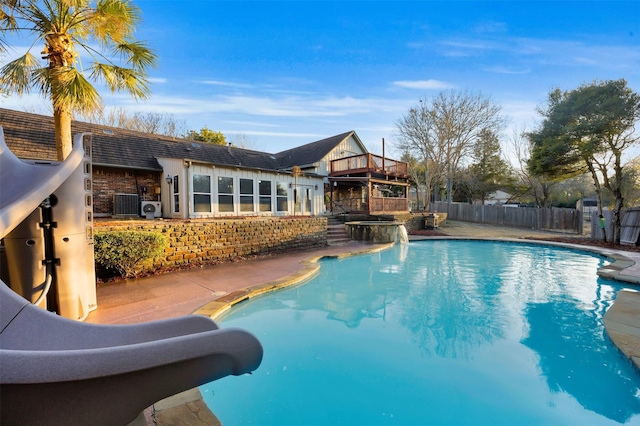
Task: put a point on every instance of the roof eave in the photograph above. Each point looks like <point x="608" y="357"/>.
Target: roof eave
<point x="120" y="166"/>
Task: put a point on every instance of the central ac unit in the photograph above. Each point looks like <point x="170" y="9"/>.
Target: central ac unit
<point x="125" y="204"/>
<point x="151" y="208"/>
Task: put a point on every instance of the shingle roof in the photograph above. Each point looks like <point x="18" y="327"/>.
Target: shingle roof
<point x="311" y="152"/>
<point x="31" y="136"/>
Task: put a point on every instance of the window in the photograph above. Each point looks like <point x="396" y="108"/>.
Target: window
<point x="307" y="200"/>
<point x="246" y="195"/>
<point x="281" y="197"/>
<point x="264" y="190"/>
<point x="201" y="193"/>
<point x="297" y="207"/>
<point x="176" y="195"/>
<point x="225" y="194"/>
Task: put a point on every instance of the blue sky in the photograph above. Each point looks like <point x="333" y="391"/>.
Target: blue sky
<point x="287" y="73"/>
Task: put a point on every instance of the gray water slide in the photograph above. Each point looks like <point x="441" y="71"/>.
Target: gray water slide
<point x="24" y="184"/>
<point x="57" y="371"/>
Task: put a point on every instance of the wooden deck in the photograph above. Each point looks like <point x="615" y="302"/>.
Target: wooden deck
<point x="369" y="183"/>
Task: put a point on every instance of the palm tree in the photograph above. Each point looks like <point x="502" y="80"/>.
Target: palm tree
<point x="103" y="29"/>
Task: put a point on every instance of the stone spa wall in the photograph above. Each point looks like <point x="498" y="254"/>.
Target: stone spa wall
<point x="412" y="221"/>
<point x="202" y="241"/>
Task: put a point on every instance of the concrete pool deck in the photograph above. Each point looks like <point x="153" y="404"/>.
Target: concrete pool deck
<point x="214" y="289"/>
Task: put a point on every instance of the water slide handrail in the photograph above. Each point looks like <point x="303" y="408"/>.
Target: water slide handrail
<point x="24" y="184"/>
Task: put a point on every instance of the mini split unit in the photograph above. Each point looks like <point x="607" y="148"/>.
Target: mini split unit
<point x="151" y="209"/>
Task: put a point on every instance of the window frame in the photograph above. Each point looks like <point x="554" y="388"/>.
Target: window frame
<point x="201" y="194"/>
<point x="226" y="195"/>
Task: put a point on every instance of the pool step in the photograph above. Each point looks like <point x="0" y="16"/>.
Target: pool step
<point x="337" y="235"/>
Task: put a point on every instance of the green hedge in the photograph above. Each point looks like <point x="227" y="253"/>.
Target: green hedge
<point x="127" y="252"/>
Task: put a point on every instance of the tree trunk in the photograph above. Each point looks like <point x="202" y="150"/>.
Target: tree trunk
<point x="615" y="189"/>
<point x="59" y="51"/>
<point x="62" y="121"/>
<point x="596" y="183"/>
<point x="615" y="220"/>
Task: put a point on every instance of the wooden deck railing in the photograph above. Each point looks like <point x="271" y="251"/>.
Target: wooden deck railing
<point x="388" y="204"/>
<point x="369" y="163"/>
<point x="378" y="205"/>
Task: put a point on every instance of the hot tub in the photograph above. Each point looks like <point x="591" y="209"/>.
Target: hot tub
<point x="377" y="231"/>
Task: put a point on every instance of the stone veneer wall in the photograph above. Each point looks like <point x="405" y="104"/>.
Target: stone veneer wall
<point x="202" y="241"/>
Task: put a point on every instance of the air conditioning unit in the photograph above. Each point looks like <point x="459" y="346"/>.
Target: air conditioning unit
<point x="151" y="209"/>
<point x="125" y="204"/>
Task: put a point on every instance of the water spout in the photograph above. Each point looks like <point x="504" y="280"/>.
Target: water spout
<point x="402" y="237"/>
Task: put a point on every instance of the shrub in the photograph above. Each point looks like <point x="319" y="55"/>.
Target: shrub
<point x="127" y="252"/>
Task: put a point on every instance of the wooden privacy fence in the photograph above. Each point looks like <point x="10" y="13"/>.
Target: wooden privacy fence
<point x="556" y="219"/>
<point x="629" y="226"/>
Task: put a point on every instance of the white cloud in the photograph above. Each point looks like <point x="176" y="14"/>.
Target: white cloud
<point x="507" y="70"/>
<point x="243" y="105"/>
<point x="227" y="84"/>
<point x="423" y="84"/>
<point x="471" y="44"/>
<point x="309" y="136"/>
<point x="251" y="123"/>
<point x="546" y="52"/>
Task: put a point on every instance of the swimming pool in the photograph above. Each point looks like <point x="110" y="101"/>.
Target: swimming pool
<point x="436" y="332"/>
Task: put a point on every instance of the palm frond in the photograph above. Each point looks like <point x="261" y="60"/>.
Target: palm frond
<point x="8" y="24"/>
<point x="40" y="79"/>
<point x="16" y="76"/>
<point x="41" y="19"/>
<point x="71" y="89"/>
<point x="114" y="20"/>
<point x="120" y="61"/>
<point x="137" y="54"/>
<point x="121" y="79"/>
<point x="75" y="4"/>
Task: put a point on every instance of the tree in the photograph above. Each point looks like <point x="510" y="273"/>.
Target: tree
<point x="528" y="186"/>
<point x="442" y="131"/>
<point x="631" y="183"/>
<point x="489" y="171"/>
<point x="150" y="122"/>
<point x="103" y="29"/>
<point x="242" y="141"/>
<point x="207" y="136"/>
<point x="417" y="179"/>
<point x="588" y="129"/>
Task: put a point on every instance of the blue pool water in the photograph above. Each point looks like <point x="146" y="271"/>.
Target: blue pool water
<point x="433" y="333"/>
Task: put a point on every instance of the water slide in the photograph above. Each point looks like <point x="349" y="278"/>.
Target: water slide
<point x="25" y="184"/>
<point x="59" y="371"/>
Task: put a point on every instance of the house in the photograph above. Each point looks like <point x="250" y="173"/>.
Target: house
<point x="498" y="198"/>
<point x="137" y="173"/>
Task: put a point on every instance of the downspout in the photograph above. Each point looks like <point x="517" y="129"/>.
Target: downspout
<point x="188" y="194"/>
